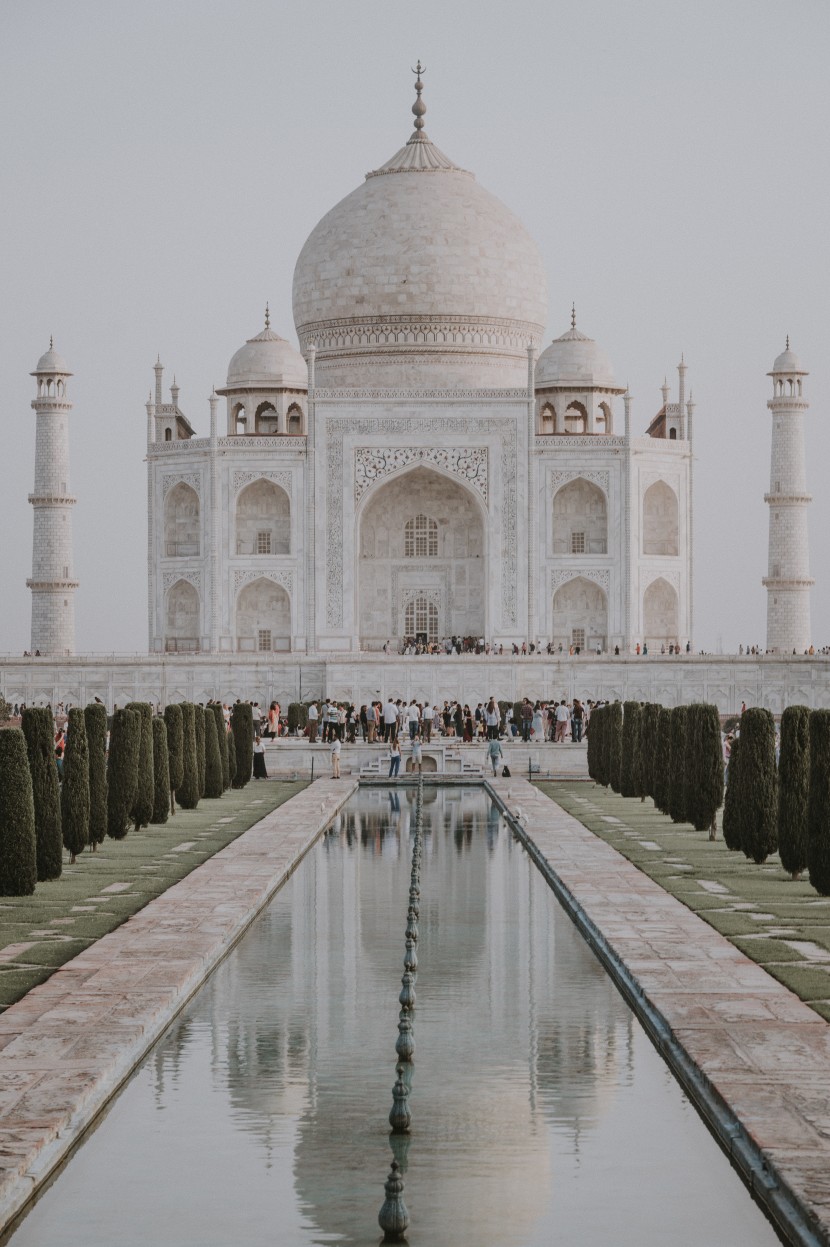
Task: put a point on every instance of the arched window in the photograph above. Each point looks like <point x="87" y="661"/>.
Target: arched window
<point x="672" y="435"/>
<point x="660" y="613"/>
<point x="421" y="619"/>
<point x="168" y="435"/>
<point x="295" y="420"/>
<point x="263" y="617"/>
<point x="580" y="519"/>
<point x="580" y="614"/>
<point x="576" y="418"/>
<point x="420" y="538"/>
<point x="265" y="420"/>
<point x="548" y="419"/>
<point x="602" y="419"/>
<point x="240" y="419"/>
<point x="181" y="522"/>
<point x="660" y="523"/>
<point x="181" y="630"/>
<point x="263" y="519"/>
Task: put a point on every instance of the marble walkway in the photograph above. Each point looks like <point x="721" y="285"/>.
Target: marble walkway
<point x="71" y="1042"/>
<point x="755" y="1059"/>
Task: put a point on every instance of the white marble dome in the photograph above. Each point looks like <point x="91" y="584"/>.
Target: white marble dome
<point x="268" y="360"/>
<point x="574" y="361"/>
<point x="420" y="277"/>
<point x="51" y="361"/>
<point x="788" y="361"/>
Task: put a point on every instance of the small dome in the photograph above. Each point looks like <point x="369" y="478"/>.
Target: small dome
<point x="51" y="361"/>
<point x="575" y="361"/>
<point x="788" y="361"/>
<point x="268" y="360"/>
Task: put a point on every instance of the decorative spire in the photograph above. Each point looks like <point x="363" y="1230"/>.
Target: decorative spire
<point x="419" y="107"/>
<point x="573" y="316"/>
<point x="267" y="317"/>
<point x="52" y="348"/>
<point x="788" y="342"/>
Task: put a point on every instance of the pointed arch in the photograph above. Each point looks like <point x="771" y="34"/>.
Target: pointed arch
<point x="265" y="419"/>
<point x="580" y="518"/>
<point x="547" y="419"/>
<point x="294" y="421"/>
<point x="263" y="519"/>
<point x="660" y="613"/>
<point x="263" y="617"/>
<point x="580" y="614"/>
<point x="660" y="519"/>
<point x="182" y="614"/>
<point x="182" y="525"/>
<point x="576" y="418"/>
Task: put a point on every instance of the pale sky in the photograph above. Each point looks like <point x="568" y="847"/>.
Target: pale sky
<point x="163" y="163"/>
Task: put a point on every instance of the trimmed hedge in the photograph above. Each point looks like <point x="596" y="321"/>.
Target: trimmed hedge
<point x="731" y="800"/>
<point x="663" y="761"/>
<point x="632" y="713"/>
<point x="704" y="767"/>
<point x="161" y="773"/>
<point x="75" y="786"/>
<point x="818" y="803"/>
<point x="122" y="771"/>
<point x="648" y="749"/>
<point x="242" y="725"/>
<point x="188" y="791"/>
<point x="297" y="717"/>
<point x="18" y="846"/>
<point x="231" y="746"/>
<point x="199" y="720"/>
<point x="677" y="776"/>
<point x="215" y="709"/>
<point x="175" y="750"/>
<point x="39" y="732"/>
<point x="142" y="808"/>
<point x="213" y="760"/>
<point x="758" y="792"/>
<point x="613" y="747"/>
<point x="95" y="721"/>
<point x="794" y="789"/>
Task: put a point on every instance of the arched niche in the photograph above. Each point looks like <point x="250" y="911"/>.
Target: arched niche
<point x="580" y="614"/>
<point x="240" y="419"/>
<point x="603" y="420"/>
<point x="182" y="618"/>
<point x="420" y="535"/>
<point x="580" y="519"/>
<point x="181" y="522"/>
<point x="660" y="523"/>
<point x="547" y="419"/>
<point x="266" y="420"/>
<point x="263" y="519"/>
<point x="263" y="617"/>
<point x="660" y="615"/>
<point x="576" y="418"/>
<point x="294" y="422"/>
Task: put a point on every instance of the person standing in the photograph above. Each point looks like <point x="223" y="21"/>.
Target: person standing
<point x="390" y="721"/>
<point x="494" y="753"/>
<point x="335" y="757"/>
<point x="371" y="722"/>
<point x="563" y="718"/>
<point x="577" y="717"/>
<point x="313" y="717"/>
<point x="259" y="759"/>
<point x="527" y="719"/>
<point x="394" y="758"/>
<point x="417" y="756"/>
<point x="413" y="718"/>
<point x="426" y="721"/>
<point x="492" y="719"/>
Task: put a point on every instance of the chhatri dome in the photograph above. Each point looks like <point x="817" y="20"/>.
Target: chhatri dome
<point x="268" y="359"/>
<point x="420" y="277"/>
<point x="575" y="361"/>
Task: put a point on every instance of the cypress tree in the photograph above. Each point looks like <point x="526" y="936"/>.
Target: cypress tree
<point x="677" y="777"/>
<point x="213" y="760"/>
<point x="95" y="721"/>
<point x="231" y="744"/>
<point x="663" y="761"/>
<point x="142" y="809"/>
<point x="793" y="789"/>
<point x="758" y="809"/>
<point x="614" y="728"/>
<point x="818" y="802"/>
<point x="39" y="731"/>
<point x="732" y="800"/>
<point x="704" y="768"/>
<point x="122" y="771"/>
<point x="161" y="772"/>
<point x="188" y="791"/>
<point x="242" y="725"/>
<point x="18" y="846"/>
<point x="75" y="786"/>
<point x="603" y="746"/>
<point x="199" y="720"/>
<point x="648" y="750"/>
<point x="175" y="750"/>
<point x="215" y="709"/>
<point x="591" y="752"/>
<point x="632" y="713"/>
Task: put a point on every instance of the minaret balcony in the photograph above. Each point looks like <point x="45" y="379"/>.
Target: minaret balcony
<point x="787" y="500"/>
<point x="782" y="582"/>
<point x="52" y="500"/>
<point x="56" y="586"/>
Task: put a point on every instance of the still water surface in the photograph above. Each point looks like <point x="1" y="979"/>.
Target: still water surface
<point x="541" y="1113"/>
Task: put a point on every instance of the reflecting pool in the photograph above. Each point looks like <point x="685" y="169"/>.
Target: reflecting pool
<point x="541" y="1113"/>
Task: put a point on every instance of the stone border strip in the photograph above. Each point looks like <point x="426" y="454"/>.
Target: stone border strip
<point x="69" y="1044"/>
<point x="753" y="1058"/>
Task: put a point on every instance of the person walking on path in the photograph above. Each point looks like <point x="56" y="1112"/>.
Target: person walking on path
<point x="394" y="758"/>
<point x="494" y="753"/>
<point x="335" y="757"/>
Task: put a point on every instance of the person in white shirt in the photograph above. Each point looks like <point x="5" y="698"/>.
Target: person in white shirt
<point x="413" y="718"/>
<point x="313" y="716"/>
<point x="563" y="719"/>
<point x="390" y="721"/>
<point x="426" y="721"/>
<point x="335" y="758"/>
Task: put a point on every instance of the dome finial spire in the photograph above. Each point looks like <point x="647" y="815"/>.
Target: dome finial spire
<point x="419" y="107"/>
<point x="788" y="342"/>
<point x="573" y="316"/>
<point x="267" y="317"/>
<point x="52" y="347"/>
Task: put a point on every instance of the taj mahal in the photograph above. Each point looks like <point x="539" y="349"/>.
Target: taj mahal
<point x="425" y="465"/>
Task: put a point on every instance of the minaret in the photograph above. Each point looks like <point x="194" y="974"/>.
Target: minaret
<point x="53" y="585"/>
<point x="788" y="581"/>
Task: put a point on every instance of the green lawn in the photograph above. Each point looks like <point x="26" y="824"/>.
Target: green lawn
<point x="759" y="908"/>
<point x="65" y="916"/>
